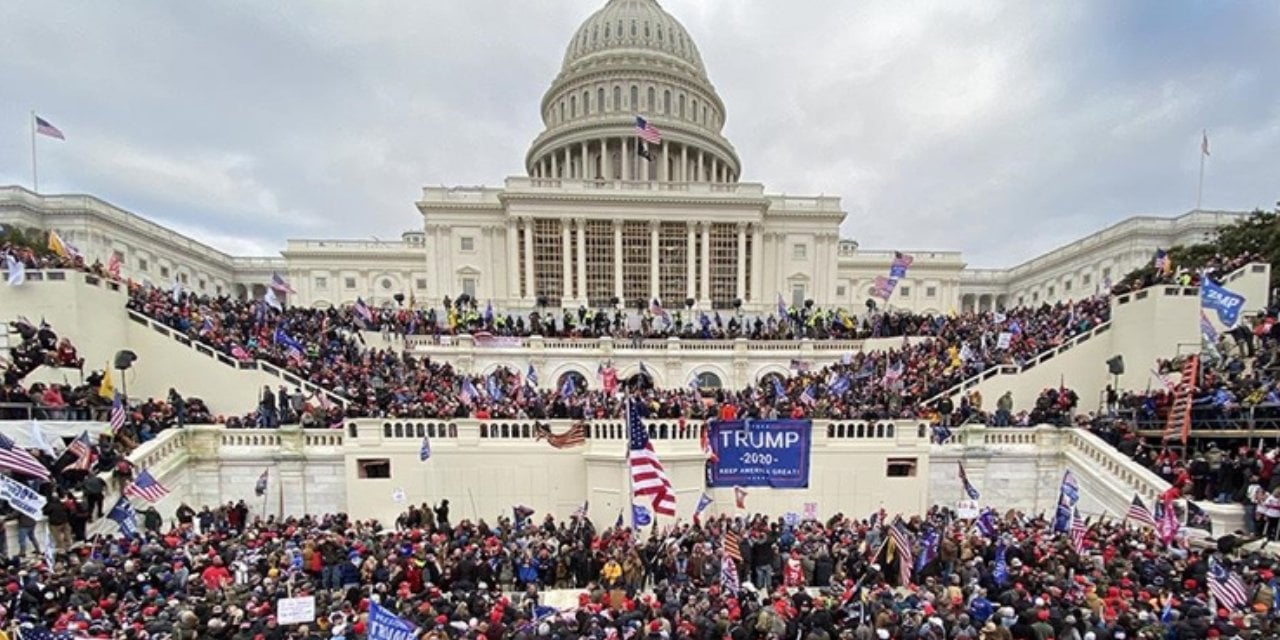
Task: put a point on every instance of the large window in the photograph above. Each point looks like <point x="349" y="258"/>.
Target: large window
<point x="548" y="256"/>
<point x="673" y="255"/>
<point x="724" y="265"/>
<point x="635" y="261"/>
<point x="599" y="246"/>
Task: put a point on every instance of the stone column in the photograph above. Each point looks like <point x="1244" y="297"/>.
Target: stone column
<point x="698" y="173"/>
<point x="568" y="163"/>
<point x="626" y="159"/>
<point x="741" y="288"/>
<point x="513" y="263"/>
<point x="555" y="169"/>
<point x="684" y="163"/>
<point x="654" y="256"/>
<point x="582" y="260"/>
<point x="587" y="173"/>
<point x="715" y="169"/>
<point x="606" y="171"/>
<point x="617" y="260"/>
<point x="757" y="263"/>
<point x="664" y="171"/>
<point x="705" y="298"/>
<point x="530" y="284"/>
<point x="566" y="252"/>
<point x="690" y="261"/>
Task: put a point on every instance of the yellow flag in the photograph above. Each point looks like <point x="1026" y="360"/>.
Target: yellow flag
<point x="57" y="246"/>
<point x="108" y="388"/>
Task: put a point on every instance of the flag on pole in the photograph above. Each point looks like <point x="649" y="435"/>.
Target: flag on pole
<point x="17" y="271"/>
<point x="260" y="488"/>
<point x="1077" y="532"/>
<point x="906" y="556"/>
<point x="703" y="502"/>
<point x="1139" y="513"/>
<point x="1204" y="142"/>
<point x="424" y="452"/>
<point x="1226" y="587"/>
<point x="82" y="449"/>
<point x="16" y="459"/>
<point x="740" y="497"/>
<point x="57" y="246"/>
<point x="648" y="476"/>
<point x="729" y="575"/>
<point x="145" y="486"/>
<point x="124" y="515"/>
<point x="648" y="132"/>
<point x="732" y="545"/>
<point x="118" y="414"/>
<point x="581" y="512"/>
<point x="269" y="298"/>
<point x="640" y="516"/>
<point x="531" y="378"/>
<point x="45" y="128"/>
<point x="969" y="489"/>
<point x="278" y="283"/>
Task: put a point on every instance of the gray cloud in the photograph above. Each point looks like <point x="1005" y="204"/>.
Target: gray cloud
<point x="1001" y="129"/>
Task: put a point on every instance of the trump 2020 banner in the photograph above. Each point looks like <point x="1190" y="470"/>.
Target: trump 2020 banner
<point x="760" y="453"/>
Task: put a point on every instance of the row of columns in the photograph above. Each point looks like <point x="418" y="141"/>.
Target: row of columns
<point x="576" y="244"/>
<point x="677" y="162"/>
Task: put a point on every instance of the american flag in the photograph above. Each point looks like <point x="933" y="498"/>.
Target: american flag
<point x="1077" y="532"/>
<point x="1204" y="141"/>
<point x="576" y="435"/>
<point x="44" y="128"/>
<point x="145" y="486"/>
<point x="903" y="260"/>
<point x="729" y="575"/>
<point x="14" y="458"/>
<point x="902" y="546"/>
<point x="648" y="477"/>
<point x="1226" y="587"/>
<point x="280" y="284"/>
<point x="83" y="451"/>
<point x="113" y="265"/>
<point x="1139" y="513"/>
<point x="733" y="545"/>
<point x="117" y="414"/>
<point x="41" y="632"/>
<point x="647" y="132"/>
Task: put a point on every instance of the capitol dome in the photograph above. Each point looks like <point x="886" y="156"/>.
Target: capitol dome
<point x="632" y="59"/>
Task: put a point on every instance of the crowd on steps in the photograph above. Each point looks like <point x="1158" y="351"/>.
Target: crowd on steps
<point x="218" y="573"/>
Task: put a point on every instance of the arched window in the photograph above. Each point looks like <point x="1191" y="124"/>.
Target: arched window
<point x="708" y="380"/>
<point x="586" y="102"/>
<point x="646" y="29"/>
<point x="600" y="100"/>
<point x="681" y="103"/>
<point x="573" y="106"/>
<point x="634" y="105"/>
<point x="659" y="33"/>
<point x="606" y="32"/>
<point x="595" y="31"/>
<point x="579" y="381"/>
<point x="652" y="104"/>
<point x="666" y="102"/>
<point x="562" y="111"/>
<point x="704" y="116"/>
<point x="617" y="98"/>
<point x="633" y="28"/>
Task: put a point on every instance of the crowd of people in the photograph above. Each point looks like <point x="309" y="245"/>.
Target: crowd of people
<point x="1214" y="268"/>
<point x="325" y="347"/>
<point x="218" y="573"/>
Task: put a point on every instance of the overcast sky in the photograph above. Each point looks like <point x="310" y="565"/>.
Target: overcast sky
<point x="1000" y="129"/>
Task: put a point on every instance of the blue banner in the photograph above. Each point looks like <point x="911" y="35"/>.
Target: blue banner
<point x="1224" y="301"/>
<point x="384" y="625"/>
<point x="1068" y="496"/>
<point x="760" y="453"/>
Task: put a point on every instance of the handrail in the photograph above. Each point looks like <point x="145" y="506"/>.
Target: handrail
<point x="1014" y="369"/>
<point x="264" y="366"/>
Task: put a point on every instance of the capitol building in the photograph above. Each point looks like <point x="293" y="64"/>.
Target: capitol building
<point x="605" y="216"/>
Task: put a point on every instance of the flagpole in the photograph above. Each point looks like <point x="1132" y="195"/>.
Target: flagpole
<point x="1200" y="187"/>
<point x="35" y="175"/>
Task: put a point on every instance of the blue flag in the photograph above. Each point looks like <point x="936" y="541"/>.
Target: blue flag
<point x="425" y="452"/>
<point x="532" y="377"/>
<point x="384" y="625"/>
<point x="124" y="515"/>
<point x="1001" y="573"/>
<point x="1225" y="302"/>
<point x="1068" y="496"/>
<point x="569" y="387"/>
<point x="289" y="343"/>
<point x="969" y="489"/>
<point x="640" y="516"/>
<point x="987" y="524"/>
<point x="928" y="548"/>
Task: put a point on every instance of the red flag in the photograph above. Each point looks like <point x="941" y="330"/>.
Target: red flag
<point x="740" y="497"/>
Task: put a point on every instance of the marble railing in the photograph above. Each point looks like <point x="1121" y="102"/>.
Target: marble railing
<point x="608" y="345"/>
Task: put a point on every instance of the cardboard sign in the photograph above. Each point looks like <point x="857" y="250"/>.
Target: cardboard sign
<point x="296" y="610"/>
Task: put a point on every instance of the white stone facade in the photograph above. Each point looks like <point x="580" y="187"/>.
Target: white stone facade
<point x="595" y="223"/>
